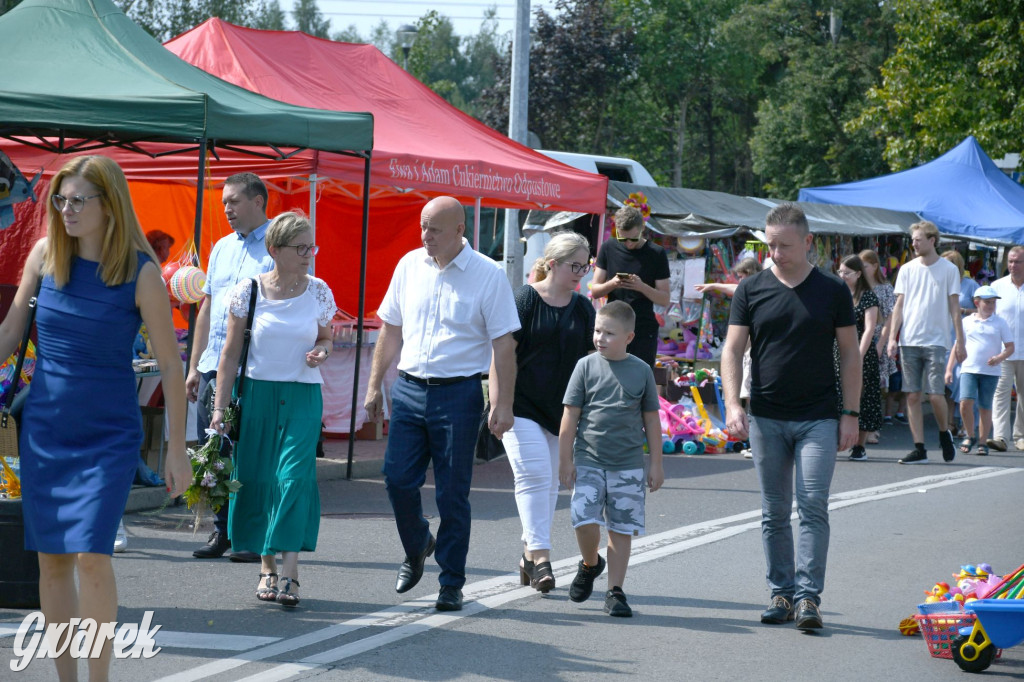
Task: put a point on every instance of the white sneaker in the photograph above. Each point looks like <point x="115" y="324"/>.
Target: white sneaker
<point x="1019" y="443"/>
<point x="121" y="539"/>
<point x="747" y="454"/>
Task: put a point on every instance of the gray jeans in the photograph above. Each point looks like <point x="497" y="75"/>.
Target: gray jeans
<point x="809" y="448"/>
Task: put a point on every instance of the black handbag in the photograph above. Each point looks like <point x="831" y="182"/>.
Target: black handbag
<point x="235" y="426"/>
<point x="234" y="421"/>
<point x="488" y="446"/>
<point x="8" y="425"/>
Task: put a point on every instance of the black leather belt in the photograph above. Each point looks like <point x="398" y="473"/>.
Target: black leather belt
<point x="436" y="381"/>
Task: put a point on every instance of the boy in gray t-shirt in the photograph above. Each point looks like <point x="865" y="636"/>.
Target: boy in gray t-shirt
<point x="610" y="403"/>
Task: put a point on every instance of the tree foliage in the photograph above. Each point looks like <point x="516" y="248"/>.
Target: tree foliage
<point x="308" y="19"/>
<point x="164" y="19"/>
<point x="958" y="70"/>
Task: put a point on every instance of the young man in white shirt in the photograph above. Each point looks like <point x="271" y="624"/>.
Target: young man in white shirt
<point x="927" y="304"/>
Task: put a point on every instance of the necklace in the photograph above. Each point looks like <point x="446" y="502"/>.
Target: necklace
<point x="294" y="286"/>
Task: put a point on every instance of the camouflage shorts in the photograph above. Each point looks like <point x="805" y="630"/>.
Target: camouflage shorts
<point x="617" y="496"/>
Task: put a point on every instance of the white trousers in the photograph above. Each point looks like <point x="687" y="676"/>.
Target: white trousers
<point x="533" y="453"/>
<point x="1011" y="372"/>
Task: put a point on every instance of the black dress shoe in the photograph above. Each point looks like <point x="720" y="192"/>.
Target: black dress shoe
<point x="411" y="570"/>
<point x="214" y="547"/>
<point x="449" y="599"/>
<point x="243" y="557"/>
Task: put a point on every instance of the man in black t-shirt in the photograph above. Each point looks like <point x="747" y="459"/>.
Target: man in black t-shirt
<point x="631" y="269"/>
<point x="792" y="314"/>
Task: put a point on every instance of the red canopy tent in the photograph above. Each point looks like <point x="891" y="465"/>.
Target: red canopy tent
<point x="423" y="147"/>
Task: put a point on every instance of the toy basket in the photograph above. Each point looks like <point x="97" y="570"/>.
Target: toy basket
<point x="940" y="629"/>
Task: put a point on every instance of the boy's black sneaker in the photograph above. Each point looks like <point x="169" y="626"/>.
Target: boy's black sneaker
<point x="583" y="584"/>
<point x="900" y="417"/>
<point x="615" y="603"/>
<point x="779" y="611"/>
<point x="915" y="457"/>
<point x="948" y="449"/>
<point x="858" y="454"/>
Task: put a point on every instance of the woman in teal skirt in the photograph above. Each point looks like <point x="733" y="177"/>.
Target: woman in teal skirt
<point x="277" y="509"/>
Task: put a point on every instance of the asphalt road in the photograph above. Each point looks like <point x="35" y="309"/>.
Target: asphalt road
<point x="696" y="583"/>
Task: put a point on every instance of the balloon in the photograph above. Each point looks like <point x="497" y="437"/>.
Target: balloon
<point x="168" y="271"/>
<point x="187" y="284"/>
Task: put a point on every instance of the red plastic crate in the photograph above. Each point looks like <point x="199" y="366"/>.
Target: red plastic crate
<point x="940" y="629"/>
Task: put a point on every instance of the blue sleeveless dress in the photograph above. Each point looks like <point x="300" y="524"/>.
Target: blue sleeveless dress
<point x="81" y="428"/>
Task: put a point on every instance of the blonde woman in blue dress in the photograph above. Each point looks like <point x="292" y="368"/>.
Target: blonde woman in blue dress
<point x="277" y="509"/>
<point x="81" y="428"/>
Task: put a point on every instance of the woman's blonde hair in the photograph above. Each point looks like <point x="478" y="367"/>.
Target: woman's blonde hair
<point x="747" y="267"/>
<point x="956" y="259"/>
<point x="285" y="228"/>
<point x="561" y="246"/>
<point x="119" y="260"/>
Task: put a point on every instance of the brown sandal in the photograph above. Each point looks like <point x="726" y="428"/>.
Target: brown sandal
<point x="267" y="591"/>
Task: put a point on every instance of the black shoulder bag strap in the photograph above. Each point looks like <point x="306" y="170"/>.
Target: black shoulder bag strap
<point x="554" y="335"/>
<point x="246" y="338"/>
<point x="16" y="377"/>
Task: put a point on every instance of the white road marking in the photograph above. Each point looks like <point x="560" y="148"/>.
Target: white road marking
<point x="417" y="616"/>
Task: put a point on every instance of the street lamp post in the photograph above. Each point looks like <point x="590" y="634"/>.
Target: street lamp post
<point x="406" y="34"/>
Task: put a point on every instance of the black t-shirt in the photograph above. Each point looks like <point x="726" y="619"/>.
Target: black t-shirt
<point x="649" y="262"/>
<point x="540" y="385"/>
<point x="792" y="332"/>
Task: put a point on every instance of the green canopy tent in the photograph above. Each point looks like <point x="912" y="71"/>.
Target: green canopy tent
<point x="79" y="75"/>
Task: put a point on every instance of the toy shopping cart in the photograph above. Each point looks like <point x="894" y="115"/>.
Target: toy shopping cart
<point x="999" y="625"/>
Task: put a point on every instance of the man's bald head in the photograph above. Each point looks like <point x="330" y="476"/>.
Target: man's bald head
<point x="442" y="224"/>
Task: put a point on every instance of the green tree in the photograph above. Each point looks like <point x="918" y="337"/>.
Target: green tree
<point x="164" y="19"/>
<point x="814" y="85"/>
<point x="580" y="59"/>
<point x="270" y="16"/>
<point x="309" y="19"/>
<point x="957" y="72"/>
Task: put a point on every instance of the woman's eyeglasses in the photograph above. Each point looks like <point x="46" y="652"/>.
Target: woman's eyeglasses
<point x="628" y="239"/>
<point x="579" y="268"/>
<point x="304" y="249"/>
<point x="77" y="202"/>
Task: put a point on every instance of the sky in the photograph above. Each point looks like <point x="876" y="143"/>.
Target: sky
<point x="466" y="15"/>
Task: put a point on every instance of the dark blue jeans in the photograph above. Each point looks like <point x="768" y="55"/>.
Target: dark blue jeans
<point x="438" y="425"/>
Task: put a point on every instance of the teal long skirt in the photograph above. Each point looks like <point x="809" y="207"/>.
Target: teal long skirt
<point x="277" y="509"/>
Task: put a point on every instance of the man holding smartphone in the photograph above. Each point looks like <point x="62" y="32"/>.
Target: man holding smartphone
<point x="641" y="278"/>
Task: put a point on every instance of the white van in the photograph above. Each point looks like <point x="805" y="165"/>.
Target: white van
<point x="614" y="167"/>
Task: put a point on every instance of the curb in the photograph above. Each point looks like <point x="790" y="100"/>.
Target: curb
<point x="145" y="498"/>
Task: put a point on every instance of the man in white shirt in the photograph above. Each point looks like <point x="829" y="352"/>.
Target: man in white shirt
<point x="927" y="304"/>
<point x="1010" y="307"/>
<point x="447" y="309"/>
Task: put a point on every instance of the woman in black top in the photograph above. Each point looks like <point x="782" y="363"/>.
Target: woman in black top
<point x="557" y="330"/>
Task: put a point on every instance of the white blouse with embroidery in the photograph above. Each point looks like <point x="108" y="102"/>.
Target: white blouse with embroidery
<point x="284" y="331"/>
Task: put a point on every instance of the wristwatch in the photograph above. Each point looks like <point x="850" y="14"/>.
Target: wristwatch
<point x="851" y="413"/>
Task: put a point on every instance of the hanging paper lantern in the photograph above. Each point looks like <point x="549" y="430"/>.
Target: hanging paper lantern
<point x="187" y="284"/>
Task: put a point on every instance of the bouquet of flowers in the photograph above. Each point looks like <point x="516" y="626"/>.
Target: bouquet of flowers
<point x="211" y="476"/>
<point x="638" y="200"/>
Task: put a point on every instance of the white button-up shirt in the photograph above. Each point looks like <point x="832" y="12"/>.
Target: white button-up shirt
<point x="1010" y="307"/>
<point x="448" y="316"/>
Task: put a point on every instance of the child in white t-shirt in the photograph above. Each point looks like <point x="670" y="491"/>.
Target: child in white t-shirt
<point x="989" y="341"/>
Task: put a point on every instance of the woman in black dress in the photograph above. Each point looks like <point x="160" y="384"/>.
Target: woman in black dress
<point x="865" y="305"/>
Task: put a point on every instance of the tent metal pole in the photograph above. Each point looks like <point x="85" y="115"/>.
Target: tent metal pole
<point x="197" y="233"/>
<point x="359" y="319"/>
<point x="312" y="216"/>
<point x="476" y="224"/>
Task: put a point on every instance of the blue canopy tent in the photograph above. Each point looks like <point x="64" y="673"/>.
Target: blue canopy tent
<point x="962" y="192"/>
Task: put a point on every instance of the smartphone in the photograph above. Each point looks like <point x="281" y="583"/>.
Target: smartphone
<point x="624" y="275"/>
